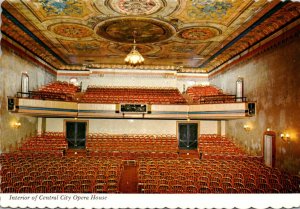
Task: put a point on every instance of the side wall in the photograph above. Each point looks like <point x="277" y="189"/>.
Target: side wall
<point x="12" y="67"/>
<point x="272" y="80"/>
<point x="131" y="126"/>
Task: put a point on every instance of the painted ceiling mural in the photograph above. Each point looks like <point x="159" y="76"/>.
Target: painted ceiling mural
<point x="193" y="35"/>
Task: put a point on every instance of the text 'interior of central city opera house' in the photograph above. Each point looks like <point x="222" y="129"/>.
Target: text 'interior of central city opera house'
<point x="150" y="96"/>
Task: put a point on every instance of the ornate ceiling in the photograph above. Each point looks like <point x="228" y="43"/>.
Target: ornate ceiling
<point x="193" y="35"/>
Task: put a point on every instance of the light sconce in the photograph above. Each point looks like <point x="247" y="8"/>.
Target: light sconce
<point x="285" y="137"/>
<point x="247" y="128"/>
<point x="268" y="129"/>
<point x="17" y="125"/>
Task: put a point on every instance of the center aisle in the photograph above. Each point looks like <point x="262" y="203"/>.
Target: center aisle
<point x="129" y="179"/>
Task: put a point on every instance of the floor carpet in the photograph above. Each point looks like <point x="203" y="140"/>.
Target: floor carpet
<point x="129" y="179"/>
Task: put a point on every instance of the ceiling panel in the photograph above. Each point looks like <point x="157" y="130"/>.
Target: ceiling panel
<point x="194" y="35"/>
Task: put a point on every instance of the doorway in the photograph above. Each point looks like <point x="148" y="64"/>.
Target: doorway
<point x="188" y="136"/>
<point x="76" y="134"/>
<point x="269" y="150"/>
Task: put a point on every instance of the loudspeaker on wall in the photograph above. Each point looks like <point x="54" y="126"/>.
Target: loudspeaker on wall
<point x="10" y="104"/>
<point x="251" y="108"/>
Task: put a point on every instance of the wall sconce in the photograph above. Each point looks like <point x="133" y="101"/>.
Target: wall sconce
<point x="17" y="125"/>
<point x="285" y="137"/>
<point x="268" y="129"/>
<point x="247" y="128"/>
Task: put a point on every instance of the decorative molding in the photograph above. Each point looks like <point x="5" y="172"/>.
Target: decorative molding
<point x="280" y="40"/>
<point x="25" y="54"/>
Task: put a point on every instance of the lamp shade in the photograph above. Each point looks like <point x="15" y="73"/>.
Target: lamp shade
<point x="134" y="57"/>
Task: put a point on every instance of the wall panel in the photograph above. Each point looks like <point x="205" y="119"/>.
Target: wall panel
<point x="12" y="67"/>
<point x="272" y="79"/>
<point x="131" y="126"/>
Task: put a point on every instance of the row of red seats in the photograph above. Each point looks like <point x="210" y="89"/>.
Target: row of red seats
<point x="57" y="90"/>
<point x="209" y="94"/>
<point x="60" y="174"/>
<point x="136" y="143"/>
<point x="52" y="141"/>
<point x="126" y="137"/>
<point x="217" y="146"/>
<point x="134" y="155"/>
<point x="132" y="95"/>
<point x="213" y="176"/>
<point x="129" y="88"/>
<point x="35" y="174"/>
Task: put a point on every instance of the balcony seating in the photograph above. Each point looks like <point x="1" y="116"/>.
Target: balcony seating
<point x="115" y="95"/>
<point x="209" y="95"/>
<point x="57" y="90"/>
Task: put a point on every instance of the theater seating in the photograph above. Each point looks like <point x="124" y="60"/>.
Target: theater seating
<point x="132" y="146"/>
<point x="57" y="90"/>
<point x="45" y="142"/>
<point x="46" y="173"/>
<point x="213" y="146"/>
<point x="208" y="95"/>
<point x="115" y="95"/>
<point x="159" y="168"/>
<point x="213" y="176"/>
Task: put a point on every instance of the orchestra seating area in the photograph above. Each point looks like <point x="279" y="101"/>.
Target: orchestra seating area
<point x="45" y="142"/>
<point x="213" y="146"/>
<point x="46" y="173"/>
<point x="133" y="95"/>
<point x="213" y="176"/>
<point x="208" y="95"/>
<point x="132" y="146"/>
<point x="157" y="166"/>
<point x="58" y="90"/>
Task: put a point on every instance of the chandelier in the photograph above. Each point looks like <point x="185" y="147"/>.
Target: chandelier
<point x="134" y="58"/>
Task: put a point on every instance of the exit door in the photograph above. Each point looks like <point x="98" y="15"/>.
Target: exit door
<point x="76" y="134"/>
<point x="269" y="149"/>
<point x="188" y="135"/>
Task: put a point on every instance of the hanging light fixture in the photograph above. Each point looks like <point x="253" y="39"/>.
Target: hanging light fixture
<point x="134" y="58"/>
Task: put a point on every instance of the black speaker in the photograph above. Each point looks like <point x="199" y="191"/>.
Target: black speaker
<point x="251" y="108"/>
<point x="10" y="104"/>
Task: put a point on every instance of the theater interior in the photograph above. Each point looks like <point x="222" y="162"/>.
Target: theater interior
<point x="150" y="96"/>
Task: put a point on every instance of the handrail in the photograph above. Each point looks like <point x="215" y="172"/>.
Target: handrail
<point x="44" y="95"/>
<point x="221" y="99"/>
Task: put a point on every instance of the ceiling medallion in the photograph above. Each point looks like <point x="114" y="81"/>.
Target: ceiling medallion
<point x="71" y="30"/>
<point x="136" y="7"/>
<point x="199" y="33"/>
<point x="120" y="30"/>
<point x="126" y="48"/>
